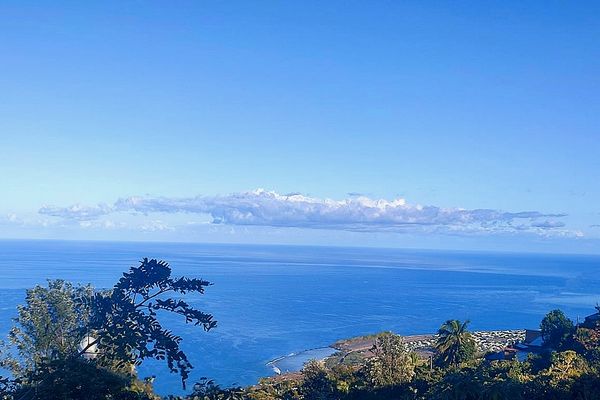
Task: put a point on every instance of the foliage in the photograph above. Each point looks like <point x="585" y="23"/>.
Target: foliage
<point x="557" y="330"/>
<point x="391" y="364"/>
<point x="268" y="389"/>
<point x="345" y="378"/>
<point x="316" y="384"/>
<point x="539" y="362"/>
<point x="586" y="387"/>
<point x="558" y="376"/>
<point x="49" y="326"/>
<point x="125" y="324"/>
<point x="77" y="378"/>
<point x="455" y="343"/>
<point x="567" y="365"/>
<point x="588" y="338"/>
<point x="8" y="387"/>
<point x="207" y="389"/>
<point x="587" y="342"/>
<point x="565" y="375"/>
<point x="121" y="327"/>
<point x="482" y="380"/>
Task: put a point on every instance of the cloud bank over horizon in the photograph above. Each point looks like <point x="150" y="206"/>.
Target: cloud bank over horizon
<point x="357" y="213"/>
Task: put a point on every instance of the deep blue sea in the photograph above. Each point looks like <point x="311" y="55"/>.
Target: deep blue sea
<point x="271" y="301"/>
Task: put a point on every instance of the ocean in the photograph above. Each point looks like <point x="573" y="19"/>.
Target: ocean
<point x="272" y="301"/>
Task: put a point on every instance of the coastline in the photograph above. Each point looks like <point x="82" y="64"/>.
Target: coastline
<point x="358" y="348"/>
<point x="485" y="340"/>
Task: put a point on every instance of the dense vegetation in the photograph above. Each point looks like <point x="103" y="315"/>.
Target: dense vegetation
<point x="77" y="343"/>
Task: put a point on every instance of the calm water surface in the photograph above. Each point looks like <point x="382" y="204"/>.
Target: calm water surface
<point x="275" y="300"/>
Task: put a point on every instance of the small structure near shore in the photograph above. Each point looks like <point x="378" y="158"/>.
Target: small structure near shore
<point x="531" y="343"/>
<point x="533" y="340"/>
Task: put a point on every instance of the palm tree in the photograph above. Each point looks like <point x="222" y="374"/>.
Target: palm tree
<point x="455" y="343"/>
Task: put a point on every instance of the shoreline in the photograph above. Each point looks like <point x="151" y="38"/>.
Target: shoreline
<point x="486" y="341"/>
<point x="358" y="348"/>
<point x="295" y="354"/>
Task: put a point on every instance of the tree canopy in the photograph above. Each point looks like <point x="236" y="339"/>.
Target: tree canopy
<point x="557" y="330"/>
<point x="120" y="325"/>
<point x="392" y="363"/>
<point x="49" y="325"/>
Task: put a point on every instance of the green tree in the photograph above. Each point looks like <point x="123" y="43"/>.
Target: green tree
<point x="498" y="380"/>
<point x="586" y="387"/>
<point x="344" y="377"/>
<point x="391" y="364"/>
<point x="77" y="378"/>
<point x="557" y="330"/>
<point x="455" y="385"/>
<point x="455" y="343"/>
<point x="566" y="366"/>
<point x="49" y="326"/>
<point x="566" y="377"/>
<point x="270" y="389"/>
<point x="121" y="327"/>
<point x="47" y="336"/>
<point x="316" y="383"/>
<point x="207" y="389"/>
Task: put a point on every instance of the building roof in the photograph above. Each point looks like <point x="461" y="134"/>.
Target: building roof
<point x="531" y="336"/>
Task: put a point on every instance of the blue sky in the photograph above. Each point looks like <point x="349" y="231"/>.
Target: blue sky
<point x="190" y="107"/>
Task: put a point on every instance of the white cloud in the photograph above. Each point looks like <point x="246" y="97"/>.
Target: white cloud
<point x="155" y="226"/>
<point x="77" y="211"/>
<point x="356" y="213"/>
<point x="26" y="220"/>
<point x="100" y="224"/>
